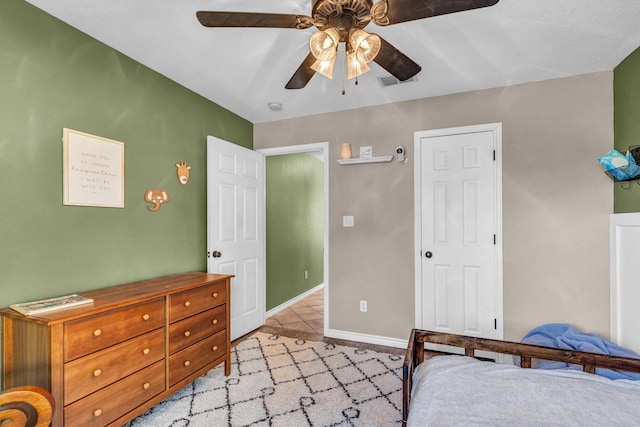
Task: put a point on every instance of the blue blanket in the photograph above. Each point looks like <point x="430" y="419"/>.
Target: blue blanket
<point x="566" y="337"/>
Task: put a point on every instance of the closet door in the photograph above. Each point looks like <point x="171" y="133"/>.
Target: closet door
<point x="458" y="212"/>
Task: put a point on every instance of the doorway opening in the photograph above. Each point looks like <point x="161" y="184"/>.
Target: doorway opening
<point x="297" y="287"/>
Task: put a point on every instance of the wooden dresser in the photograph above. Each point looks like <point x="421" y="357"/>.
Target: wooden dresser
<point x="109" y="361"/>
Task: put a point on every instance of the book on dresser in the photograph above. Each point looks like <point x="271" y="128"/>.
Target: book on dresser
<point x="50" y="304"/>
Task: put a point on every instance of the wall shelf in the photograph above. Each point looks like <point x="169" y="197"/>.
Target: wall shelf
<point x="360" y="160"/>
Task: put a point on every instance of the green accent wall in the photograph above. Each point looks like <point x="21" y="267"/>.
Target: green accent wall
<point x="53" y="76"/>
<point x="626" y="84"/>
<point x="294" y="226"/>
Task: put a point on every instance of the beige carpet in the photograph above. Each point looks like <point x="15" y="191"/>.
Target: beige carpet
<point x="278" y="381"/>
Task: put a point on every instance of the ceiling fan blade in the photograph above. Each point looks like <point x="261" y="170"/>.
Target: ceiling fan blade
<point x="303" y="74"/>
<point x="387" y="12"/>
<point x="256" y="20"/>
<point x="397" y="63"/>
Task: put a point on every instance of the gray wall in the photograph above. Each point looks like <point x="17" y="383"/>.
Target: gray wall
<point x="556" y="202"/>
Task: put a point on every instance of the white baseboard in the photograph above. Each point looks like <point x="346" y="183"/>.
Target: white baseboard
<point x="343" y="335"/>
<point x="370" y="339"/>
<point x="292" y="301"/>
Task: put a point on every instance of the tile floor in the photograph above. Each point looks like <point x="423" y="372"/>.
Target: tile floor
<point x="305" y="319"/>
<point x="306" y="315"/>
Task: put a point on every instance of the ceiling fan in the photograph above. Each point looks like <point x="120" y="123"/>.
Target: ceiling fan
<point x="343" y="21"/>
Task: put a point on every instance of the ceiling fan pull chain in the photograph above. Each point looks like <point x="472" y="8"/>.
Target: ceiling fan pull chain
<point x="344" y="68"/>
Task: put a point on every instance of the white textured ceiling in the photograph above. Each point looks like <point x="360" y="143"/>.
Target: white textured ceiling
<point x="243" y="69"/>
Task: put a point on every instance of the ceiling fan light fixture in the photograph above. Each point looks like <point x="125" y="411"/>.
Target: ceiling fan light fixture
<point x="324" y="67"/>
<point x="324" y="44"/>
<point x="355" y="67"/>
<point x="366" y="46"/>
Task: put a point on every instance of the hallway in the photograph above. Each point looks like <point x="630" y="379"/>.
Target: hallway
<point x="306" y="315"/>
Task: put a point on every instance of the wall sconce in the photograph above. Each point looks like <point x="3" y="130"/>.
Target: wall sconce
<point x="345" y="151"/>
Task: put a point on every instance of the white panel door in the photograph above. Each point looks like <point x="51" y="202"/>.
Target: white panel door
<point x="235" y="229"/>
<point x="459" y="216"/>
<point x="625" y="270"/>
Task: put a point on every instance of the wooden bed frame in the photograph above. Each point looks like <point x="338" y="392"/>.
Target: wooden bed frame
<point x="416" y="354"/>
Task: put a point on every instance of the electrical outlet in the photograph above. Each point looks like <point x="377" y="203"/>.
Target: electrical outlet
<point x="363" y="306"/>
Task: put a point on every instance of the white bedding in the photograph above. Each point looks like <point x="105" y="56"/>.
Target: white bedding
<point x="462" y="391"/>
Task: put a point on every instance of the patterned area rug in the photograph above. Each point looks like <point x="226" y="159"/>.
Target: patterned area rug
<point x="278" y="381"/>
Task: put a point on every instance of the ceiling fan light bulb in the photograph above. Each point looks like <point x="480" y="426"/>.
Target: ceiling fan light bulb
<point x="355" y="67"/>
<point x="324" y="44"/>
<point x="324" y="67"/>
<point x="367" y="46"/>
<point x="334" y="34"/>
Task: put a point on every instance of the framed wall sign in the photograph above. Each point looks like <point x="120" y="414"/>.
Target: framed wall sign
<point x="93" y="170"/>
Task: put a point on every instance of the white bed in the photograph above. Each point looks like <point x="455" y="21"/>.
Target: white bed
<point x="455" y="390"/>
<point x="463" y="391"/>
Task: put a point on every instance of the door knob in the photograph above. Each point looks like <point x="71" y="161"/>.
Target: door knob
<point x="216" y="254"/>
<point x="428" y="254"/>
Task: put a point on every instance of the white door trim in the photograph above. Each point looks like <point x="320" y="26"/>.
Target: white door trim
<point x="496" y="128"/>
<point x="307" y="148"/>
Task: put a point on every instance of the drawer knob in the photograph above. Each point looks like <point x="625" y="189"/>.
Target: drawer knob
<point x="187" y="363"/>
<point x="187" y="333"/>
<point x="97" y="412"/>
<point x="187" y="303"/>
<point x="146" y="317"/>
<point x="214" y="321"/>
<point x="97" y="332"/>
<point x="145" y="351"/>
<point x="214" y="348"/>
<point x="97" y="372"/>
<point x="215" y="295"/>
<point x="146" y="386"/>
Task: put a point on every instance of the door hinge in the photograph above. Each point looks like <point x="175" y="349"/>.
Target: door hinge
<point x="494" y="239"/>
<point x="495" y="324"/>
<point x="494" y="155"/>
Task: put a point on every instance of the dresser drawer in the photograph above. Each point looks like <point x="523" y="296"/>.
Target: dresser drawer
<point x="189" y="360"/>
<point x="90" y="373"/>
<point x="188" y="303"/>
<point x="193" y="329"/>
<point x="92" y="333"/>
<point x="108" y="404"/>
